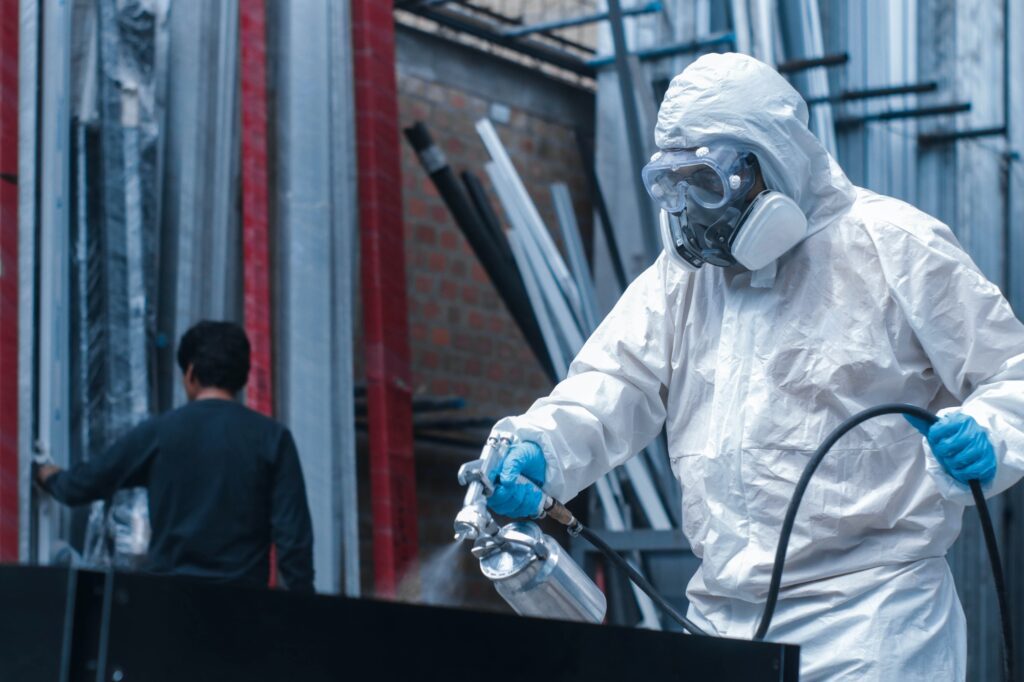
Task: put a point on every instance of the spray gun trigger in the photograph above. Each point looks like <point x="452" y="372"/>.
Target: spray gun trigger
<point x="473" y="471"/>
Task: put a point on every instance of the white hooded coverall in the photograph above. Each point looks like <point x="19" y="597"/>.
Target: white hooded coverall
<point x="878" y="304"/>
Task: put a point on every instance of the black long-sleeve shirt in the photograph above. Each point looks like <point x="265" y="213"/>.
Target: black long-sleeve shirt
<point x="224" y="483"/>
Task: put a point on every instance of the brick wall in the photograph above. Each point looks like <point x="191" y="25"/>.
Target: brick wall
<point x="464" y="342"/>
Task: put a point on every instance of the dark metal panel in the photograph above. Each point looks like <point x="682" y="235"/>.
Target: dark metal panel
<point x="208" y="632"/>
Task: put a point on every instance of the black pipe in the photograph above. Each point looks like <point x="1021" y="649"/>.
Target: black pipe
<point x="455" y="424"/>
<point x="947" y="136"/>
<point x="954" y="108"/>
<point x="775" y="583"/>
<point x="478" y="195"/>
<point x="795" y="65"/>
<point x="636" y="576"/>
<point x="671" y="50"/>
<point x="582" y="20"/>
<point x="506" y="278"/>
<point x="870" y="93"/>
<point x="459" y="21"/>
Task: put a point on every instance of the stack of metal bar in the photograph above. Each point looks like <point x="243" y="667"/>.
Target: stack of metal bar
<point x="130" y="232"/>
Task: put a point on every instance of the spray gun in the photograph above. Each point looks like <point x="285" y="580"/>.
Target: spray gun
<point x="529" y="569"/>
<point x="473" y="521"/>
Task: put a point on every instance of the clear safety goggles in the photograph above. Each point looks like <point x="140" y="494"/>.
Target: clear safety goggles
<point x="709" y="176"/>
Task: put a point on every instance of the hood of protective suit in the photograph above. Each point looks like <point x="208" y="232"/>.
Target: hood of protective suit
<point x="735" y="98"/>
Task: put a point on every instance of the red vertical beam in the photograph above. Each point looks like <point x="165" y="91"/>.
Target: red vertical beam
<point x="385" y="314"/>
<point x="252" y="37"/>
<point x="8" y="280"/>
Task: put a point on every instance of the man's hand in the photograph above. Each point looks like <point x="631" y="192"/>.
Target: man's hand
<point x="961" y="446"/>
<point x="43" y="473"/>
<point x="43" y="468"/>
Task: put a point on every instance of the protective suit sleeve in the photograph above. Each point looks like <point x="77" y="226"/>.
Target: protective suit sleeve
<point x="970" y="335"/>
<point x="610" y="405"/>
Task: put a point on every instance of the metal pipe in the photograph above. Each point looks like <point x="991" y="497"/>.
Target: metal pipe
<point x="604" y="217"/>
<point x="637" y="151"/>
<point x="522" y="204"/>
<point x="947" y="136"/>
<point x="940" y="110"/>
<point x="518" y="21"/>
<point x="541" y="260"/>
<point x="868" y="93"/>
<point x="420" y="405"/>
<point x="671" y="50"/>
<point x="740" y="15"/>
<point x="53" y="345"/>
<point x="455" y="424"/>
<point x="223" y="199"/>
<point x="506" y="279"/>
<point x="28" y="262"/>
<point x="314" y="192"/>
<point x="459" y="21"/>
<point x="344" y="277"/>
<point x="482" y="204"/>
<point x="573" y="244"/>
<point x="1008" y="161"/>
<point x="795" y="65"/>
<point x="582" y="20"/>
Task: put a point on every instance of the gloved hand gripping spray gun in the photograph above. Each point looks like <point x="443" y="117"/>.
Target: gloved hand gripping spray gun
<point x="529" y="569"/>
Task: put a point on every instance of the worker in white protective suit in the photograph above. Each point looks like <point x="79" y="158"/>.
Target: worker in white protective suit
<point x="762" y="326"/>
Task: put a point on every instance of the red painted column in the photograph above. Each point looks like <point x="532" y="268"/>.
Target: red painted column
<point x="8" y="280"/>
<point x="252" y="39"/>
<point x="385" y="313"/>
<point x="255" y="223"/>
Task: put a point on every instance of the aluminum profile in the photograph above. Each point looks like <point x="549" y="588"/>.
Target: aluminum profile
<point x="316" y="223"/>
<point x="28" y="162"/>
<point x="52" y="397"/>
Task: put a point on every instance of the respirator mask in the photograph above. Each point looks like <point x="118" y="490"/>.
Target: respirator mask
<point x="706" y="215"/>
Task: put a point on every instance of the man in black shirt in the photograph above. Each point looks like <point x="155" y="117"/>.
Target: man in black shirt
<point x="224" y="481"/>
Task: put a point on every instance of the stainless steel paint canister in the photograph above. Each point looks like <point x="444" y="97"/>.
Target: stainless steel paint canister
<point x="538" y="578"/>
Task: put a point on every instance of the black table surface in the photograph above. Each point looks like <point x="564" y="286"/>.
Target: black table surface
<point x="59" y="624"/>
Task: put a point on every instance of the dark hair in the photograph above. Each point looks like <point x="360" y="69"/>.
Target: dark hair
<point x="218" y="353"/>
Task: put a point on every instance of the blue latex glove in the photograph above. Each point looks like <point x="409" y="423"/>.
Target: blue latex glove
<point x="518" y="496"/>
<point x="961" y="446"/>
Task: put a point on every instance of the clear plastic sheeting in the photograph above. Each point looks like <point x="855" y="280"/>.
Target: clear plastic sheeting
<point x="117" y="534"/>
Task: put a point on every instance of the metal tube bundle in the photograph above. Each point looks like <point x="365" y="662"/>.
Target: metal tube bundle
<point x="566" y="307"/>
<point x="486" y="244"/>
